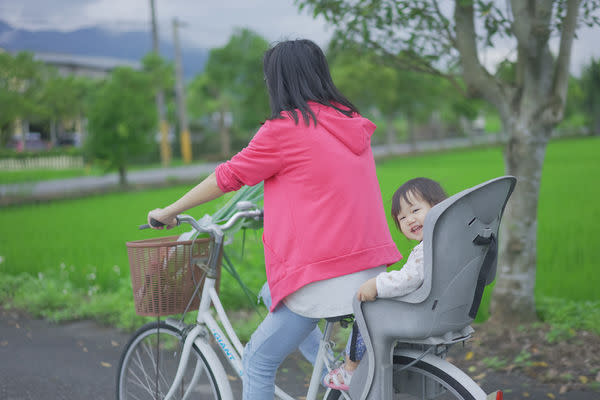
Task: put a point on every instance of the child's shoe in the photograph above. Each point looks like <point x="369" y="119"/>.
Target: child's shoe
<point x="338" y="378"/>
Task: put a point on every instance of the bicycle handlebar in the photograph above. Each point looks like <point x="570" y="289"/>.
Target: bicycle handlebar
<point x="157" y="224"/>
<point x="211" y="227"/>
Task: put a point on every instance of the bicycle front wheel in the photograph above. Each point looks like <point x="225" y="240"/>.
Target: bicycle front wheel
<point x="149" y="364"/>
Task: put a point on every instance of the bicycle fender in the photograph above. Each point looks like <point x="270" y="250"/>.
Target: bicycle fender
<point x="448" y="368"/>
<point x="217" y="368"/>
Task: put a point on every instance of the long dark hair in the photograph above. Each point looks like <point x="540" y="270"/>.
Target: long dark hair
<point x="296" y="71"/>
<point x="424" y="188"/>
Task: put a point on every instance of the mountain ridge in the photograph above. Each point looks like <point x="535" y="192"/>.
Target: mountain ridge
<point x="97" y="41"/>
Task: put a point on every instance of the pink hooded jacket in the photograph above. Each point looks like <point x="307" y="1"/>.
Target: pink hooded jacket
<point x="324" y="215"/>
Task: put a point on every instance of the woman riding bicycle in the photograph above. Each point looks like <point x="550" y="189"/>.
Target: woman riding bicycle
<point x="325" y="230"/>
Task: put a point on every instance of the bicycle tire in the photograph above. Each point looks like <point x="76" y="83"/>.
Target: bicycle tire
<point x="436" y="383"/>
<point x="432" y="382"/>
<point x="332" y="394"/>
<point x="137" y="376"/>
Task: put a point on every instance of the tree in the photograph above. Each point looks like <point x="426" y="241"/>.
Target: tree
<point x="30" y="90"/>
<point x="394" y="92"/>
<point x="232" y="87"/>
<point x="122" y="120"/>
<point x="9" y="96"/>
<point x="206" y="99"/>
<point x="391" y="91"/>
<point x="21" y="78"/>
<point x="62" y="98"/>
<point x="161" y="78"/>
<point x="590" y="82"/>
<point x="427" y="37"/>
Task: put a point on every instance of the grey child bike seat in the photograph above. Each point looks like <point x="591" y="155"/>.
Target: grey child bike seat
<point x="460" y="257"/>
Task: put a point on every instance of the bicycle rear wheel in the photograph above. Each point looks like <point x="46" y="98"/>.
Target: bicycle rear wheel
<point x="149" y="363"/>
<point x="423" y="380"/>
<point x="426" y="381"/>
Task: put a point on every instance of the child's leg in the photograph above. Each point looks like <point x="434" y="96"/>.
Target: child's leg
<point x="339" y="378"/>
<point x="355" y="349"/>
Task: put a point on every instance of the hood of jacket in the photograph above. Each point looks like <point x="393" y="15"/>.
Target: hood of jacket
<point x="355" y="133"/>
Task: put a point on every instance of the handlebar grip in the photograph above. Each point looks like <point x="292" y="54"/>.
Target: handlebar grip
<point x="155" y="224"/>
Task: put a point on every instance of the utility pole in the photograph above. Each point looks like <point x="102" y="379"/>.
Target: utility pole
<point x="165" y="147"/>
<point x="186" y="145"/>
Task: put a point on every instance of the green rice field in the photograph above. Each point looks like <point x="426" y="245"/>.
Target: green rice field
<point x="35" y="175"/>
<point x="79" y="245"/>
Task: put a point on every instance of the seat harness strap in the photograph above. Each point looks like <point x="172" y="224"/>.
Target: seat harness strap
<point x="490" y="257"/>
<point x="352" y="355"/>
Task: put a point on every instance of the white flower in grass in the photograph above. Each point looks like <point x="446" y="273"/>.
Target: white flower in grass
<point x="93" y="290"/>
<point x="117" y="269"/>
<point x="1" y="259"/>
<point x="40" y="276"/>
<point x="91" y="276"/>
<point x="62" y="266"/>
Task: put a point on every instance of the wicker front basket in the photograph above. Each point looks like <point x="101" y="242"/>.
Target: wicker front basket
<point x="163" y="275"/>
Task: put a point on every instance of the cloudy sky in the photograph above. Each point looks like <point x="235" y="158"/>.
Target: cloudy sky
<point x="210" y="23"/>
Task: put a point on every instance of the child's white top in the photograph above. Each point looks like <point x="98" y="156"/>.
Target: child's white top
<point x="405" y="281"/>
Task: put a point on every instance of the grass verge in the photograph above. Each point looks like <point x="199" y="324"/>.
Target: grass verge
<point x="67" y="259"/>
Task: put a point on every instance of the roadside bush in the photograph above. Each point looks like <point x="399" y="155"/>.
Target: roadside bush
<point x="61" y="151"/>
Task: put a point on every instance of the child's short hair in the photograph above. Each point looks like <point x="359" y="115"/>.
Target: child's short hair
<point x="425" y="188"/>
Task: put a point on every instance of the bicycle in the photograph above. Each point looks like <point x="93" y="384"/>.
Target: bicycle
<point x="172" y="360"/>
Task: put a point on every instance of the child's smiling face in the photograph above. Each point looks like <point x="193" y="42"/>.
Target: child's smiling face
<point x="412" y="216"/>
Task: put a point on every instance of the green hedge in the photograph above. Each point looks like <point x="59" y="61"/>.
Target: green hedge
<point x="66" y="151"/>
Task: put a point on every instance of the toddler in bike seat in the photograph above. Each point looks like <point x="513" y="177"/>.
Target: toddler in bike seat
<point x="410" y="205"/>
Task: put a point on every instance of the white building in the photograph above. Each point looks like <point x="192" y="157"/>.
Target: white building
<point x="67" y="65"/>
<point x="88" y="66"/>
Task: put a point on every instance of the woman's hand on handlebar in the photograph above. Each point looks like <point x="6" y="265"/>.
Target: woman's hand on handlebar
<point x="162" y="216"/>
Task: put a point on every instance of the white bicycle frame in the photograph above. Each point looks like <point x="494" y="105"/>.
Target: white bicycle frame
<point x="206" y="321"/>
<point x="232" y="353"/>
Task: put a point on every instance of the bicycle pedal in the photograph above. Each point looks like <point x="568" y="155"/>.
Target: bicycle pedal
<point x="344" y="323"/>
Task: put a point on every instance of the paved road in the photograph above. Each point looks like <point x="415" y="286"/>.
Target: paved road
<point x="72" y="187"/>
<point x="39" y="360"/>
<point x="78" y="360"/>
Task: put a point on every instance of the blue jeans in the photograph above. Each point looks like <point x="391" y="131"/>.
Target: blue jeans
<point x="281" y="333"/>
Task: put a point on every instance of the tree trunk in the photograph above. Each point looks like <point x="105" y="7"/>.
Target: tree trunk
<point x="53" y="140"/>
<point x="437" y="129"/>
<point x="412" y="139"/>
<point x="122" y="175"/>
<point x="24" y="133"/>
<point x="224" y="135"/>
<point x="468" y="129"/>
<point x="390" y="132"/>
<point x="529" y="110"/>
<point x="513" y="298"/>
